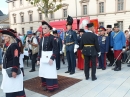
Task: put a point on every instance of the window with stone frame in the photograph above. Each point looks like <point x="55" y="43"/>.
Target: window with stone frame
<point x="101" y="23"/>
<point x="120" y="5"/>
<point x="30" y="18"/>
<point x="120" y="25"/>
<point x="31" y="28"/>
<point x="101" y="7"/>
<point x="84" y="9"/>
<point x="64" y="13"/>
<point x="40" y="16"/>
<point x="23" y="32"/>
<point x="22" y="19"/>
<point x="14" y="20"/>
<point x="21" y="2"/>
<point x="15" y="29"/>
<point x="13" y="4"/>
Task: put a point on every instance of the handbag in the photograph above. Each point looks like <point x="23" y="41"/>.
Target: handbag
<point x="9" y="71"/>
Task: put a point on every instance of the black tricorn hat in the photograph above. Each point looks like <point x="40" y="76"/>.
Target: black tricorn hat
<point x="55" y="32"/>
<point x="90" y="25"/>
<point x="109" y="26"/>
<point x="7" y="32"/>
<point x="116" y="25"/>
<point x="45" y="23"/>
<point x="12" y="30"/>
<point x="69" y="20"/>
<point x="81" y="30"/>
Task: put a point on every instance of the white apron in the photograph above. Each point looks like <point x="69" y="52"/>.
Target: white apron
<point x="21" y="60"/>
<point x="10" y="85"/>
<point x="46" y="70"/>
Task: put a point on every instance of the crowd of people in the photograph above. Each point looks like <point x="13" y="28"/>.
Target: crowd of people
<point x="83" y="48"/>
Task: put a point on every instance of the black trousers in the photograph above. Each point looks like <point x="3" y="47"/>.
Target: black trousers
<point x="34" y="60"/>
<point x="87" y="66"/>
<point x="16" y="94"/>
<point x="110" y="56"/>
<point x="58" y="60"/>
<point x="71" y="61"/>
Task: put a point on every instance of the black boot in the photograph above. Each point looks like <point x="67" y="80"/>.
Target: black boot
<point x="116" y="65"/>
<point x="119" y="65"/>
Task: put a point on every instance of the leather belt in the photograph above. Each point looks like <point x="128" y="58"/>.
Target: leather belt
<point x="88" y="45"/>
<point x="69" y="43"/>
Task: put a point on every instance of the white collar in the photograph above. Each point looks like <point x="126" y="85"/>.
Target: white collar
<point x="90" y="31"/>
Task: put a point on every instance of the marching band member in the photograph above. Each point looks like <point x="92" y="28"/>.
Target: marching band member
<point x="48" y="50"/>
<point x="80" y="61"/>
<point x="11" y="85"/>
<point x="103" y="44"/>
<point x="90" y="48"/>
<point x="118" y="41"/>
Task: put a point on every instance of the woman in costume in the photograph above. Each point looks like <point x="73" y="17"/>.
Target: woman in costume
<point x="80" y="61"/>
<point x="48" y="50"/>
<point x="12" y="85"/>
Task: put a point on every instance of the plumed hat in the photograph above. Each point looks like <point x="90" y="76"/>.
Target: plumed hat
<point x="69" y="20"/>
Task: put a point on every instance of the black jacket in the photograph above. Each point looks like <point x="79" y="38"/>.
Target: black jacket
<point x="89" y="38"/>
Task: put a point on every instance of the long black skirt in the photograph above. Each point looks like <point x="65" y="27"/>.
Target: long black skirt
<point x="16" y="94"/>
<point x="50" y="84"/>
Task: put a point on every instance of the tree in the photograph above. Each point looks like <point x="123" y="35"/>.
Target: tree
<point x="47" y="6"/>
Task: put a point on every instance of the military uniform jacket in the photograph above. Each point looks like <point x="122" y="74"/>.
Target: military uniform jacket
<point x="49" y="44"/>
<point x="79" y="39"/>
<point x="118" y="40"/>
<point x="11" y="57"/>
<point x="89" y="38"/>
<point x="70" y="36"/>
<point x="103" y="43"/>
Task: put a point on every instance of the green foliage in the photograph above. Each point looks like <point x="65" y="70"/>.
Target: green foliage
<point x="47" y="6"/>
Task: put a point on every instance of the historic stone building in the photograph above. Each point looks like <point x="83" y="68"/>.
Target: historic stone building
<point x="23" y="16"/>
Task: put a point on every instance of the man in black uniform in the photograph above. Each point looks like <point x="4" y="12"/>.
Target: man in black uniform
<point x="110" y="54"/>
<point x="90" y="49"/>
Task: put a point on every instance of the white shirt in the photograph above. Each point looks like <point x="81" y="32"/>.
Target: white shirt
<point x="34" y="41"/>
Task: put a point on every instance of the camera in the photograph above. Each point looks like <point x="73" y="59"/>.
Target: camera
<point x="28" y="40"/>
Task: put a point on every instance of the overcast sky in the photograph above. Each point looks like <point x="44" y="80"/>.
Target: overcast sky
<point x="4" y="6"/>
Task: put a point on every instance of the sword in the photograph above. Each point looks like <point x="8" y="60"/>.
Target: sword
<point x="117" y="59"/>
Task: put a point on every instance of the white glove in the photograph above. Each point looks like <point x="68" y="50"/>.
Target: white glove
<point x="63" y="48"/>
<point x="76" y="46"/>
<point x="75" y="50"/>
<point x="99" y="54"/>
<point x="111" y="49"/>
<point x="60" y="52"/>
<point x="123" y="49"/>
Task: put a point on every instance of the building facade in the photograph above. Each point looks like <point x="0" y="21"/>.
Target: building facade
<point x="23" y="16"/>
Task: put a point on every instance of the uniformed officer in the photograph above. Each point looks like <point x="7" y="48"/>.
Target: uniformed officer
<point x="71" y="45"/>
<point x="90" y="49"/>
<point x="110" y="54"/>
<point x="59" y="43"/>
<point x="118" y="42"/>
<point x="103" y="43"/>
